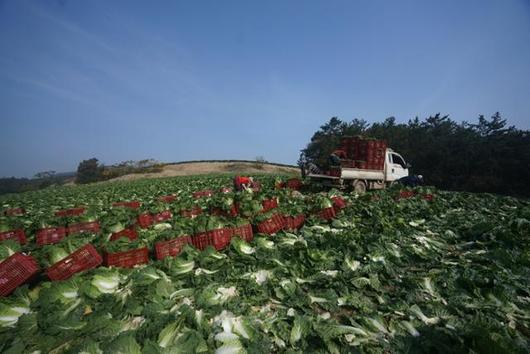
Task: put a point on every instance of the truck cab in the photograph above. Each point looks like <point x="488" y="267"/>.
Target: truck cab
<point x="395" y="166"/>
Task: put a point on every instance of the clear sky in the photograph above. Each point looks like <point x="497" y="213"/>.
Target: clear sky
<point x="184" y="80"/>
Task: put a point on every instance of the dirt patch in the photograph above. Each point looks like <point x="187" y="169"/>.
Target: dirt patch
<point x="201" y="168"/>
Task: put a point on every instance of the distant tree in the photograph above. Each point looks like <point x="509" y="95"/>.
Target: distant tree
<point x="89" y="171"/>
<point x="260" y="162"/>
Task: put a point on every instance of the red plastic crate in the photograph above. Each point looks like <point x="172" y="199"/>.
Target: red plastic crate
<point x="406" y="194"/>
<point x="201" y="194"/>
<point x="244" y="232"/>
<point x="162" y="216"/>
<point x="17" y="235"/>
<point x="92" y="226"/>
<point x="338" y="203"/>
<point x="168" y="198"/>
<point x="127" y="259"/>
<point x="145" y="220"/>
<point x="15" y="271"/>
<point x="219" y="239"/>
<point x="70" y="212"/>
<point x="327" y="213"/>
<point x="428" y="197"/>
<point x="294" y="222"/>
<point x="225" y="190"/>
<point x="294" y="183"/>
<point x="50" y="235"/>
<point x="82" y="259"/>
<point x="269" y="204"/>
<point x="131" y="205"/>
<point x="15" y="212"/>
<point x="171" y="248"/>
<point x="191" y="213"/>
<point x="271" y="225"/>
<point x="222" y="212"/>
<point x="131" y="234"/>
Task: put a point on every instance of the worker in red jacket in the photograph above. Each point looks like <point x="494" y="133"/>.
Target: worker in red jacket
<point x="242" y="182"/>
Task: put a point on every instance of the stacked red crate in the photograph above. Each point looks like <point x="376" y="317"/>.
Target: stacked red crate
<point x="15" y="271"/>
<point x="127" y="259"/>
<point x="162" y="216"/>
<point x="244" y="232"/>
<point x="219" y="239"/>
<point x="363" y="153"/>
<point x="201" y="194"/>
<point x="405" y="194"/>
<point x="50" y="235"/>
<point x="132" y="205"/>
<point x="293" y="223"/>
<point x="171" y="248"/>
<point x="191" y="213"/>
<point x="167" y="198"/>
<point x="82" y="259"/>
<point x="327" y="213"/>
<point x="269" y="204"/>
<point x="428" y="197"/>
<point x="351" y="146"/>
<point x="338" y="203"/>
<point x="131" y="234"/>
<point x="145" y="220"/>
<point x="17" y="235"/>
<point x="294" y="183"/>
<point x="271" y="225"/>
<point x="92" y="226"/>
<point x="15" y="212"/>
<point x="70" y="212"/>
<point x="225" y="190"/>
<point x="221" y="212"/>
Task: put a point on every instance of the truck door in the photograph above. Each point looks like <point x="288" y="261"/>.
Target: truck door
<point x="396" y="167"/>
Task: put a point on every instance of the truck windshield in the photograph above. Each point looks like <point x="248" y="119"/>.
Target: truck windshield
<point x="398" y="160"/>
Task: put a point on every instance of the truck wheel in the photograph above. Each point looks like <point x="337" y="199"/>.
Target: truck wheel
<point x="359" y="187"/>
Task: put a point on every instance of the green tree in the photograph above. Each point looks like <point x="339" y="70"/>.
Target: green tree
<point x="89" y="171"/>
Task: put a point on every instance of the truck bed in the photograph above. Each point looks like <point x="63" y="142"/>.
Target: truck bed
<point x="353" y="173"/>
<point x="358" y="173"/>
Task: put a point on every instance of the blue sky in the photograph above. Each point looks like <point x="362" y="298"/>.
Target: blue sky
<point x="184" y="80"/>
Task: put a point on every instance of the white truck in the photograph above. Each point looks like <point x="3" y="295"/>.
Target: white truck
<point x="361" y="179"/>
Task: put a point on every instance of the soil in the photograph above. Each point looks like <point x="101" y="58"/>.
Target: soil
<point x="200" y="168"/>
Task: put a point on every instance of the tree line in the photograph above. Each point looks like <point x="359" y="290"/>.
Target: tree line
<point x="88" y="171"/>
<point x="485" y="156"/>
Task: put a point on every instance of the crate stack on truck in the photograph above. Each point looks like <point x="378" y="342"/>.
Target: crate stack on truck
<point x="362" y="153"/>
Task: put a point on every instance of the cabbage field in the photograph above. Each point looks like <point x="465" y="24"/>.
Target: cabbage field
<point x="424" y="271"/>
